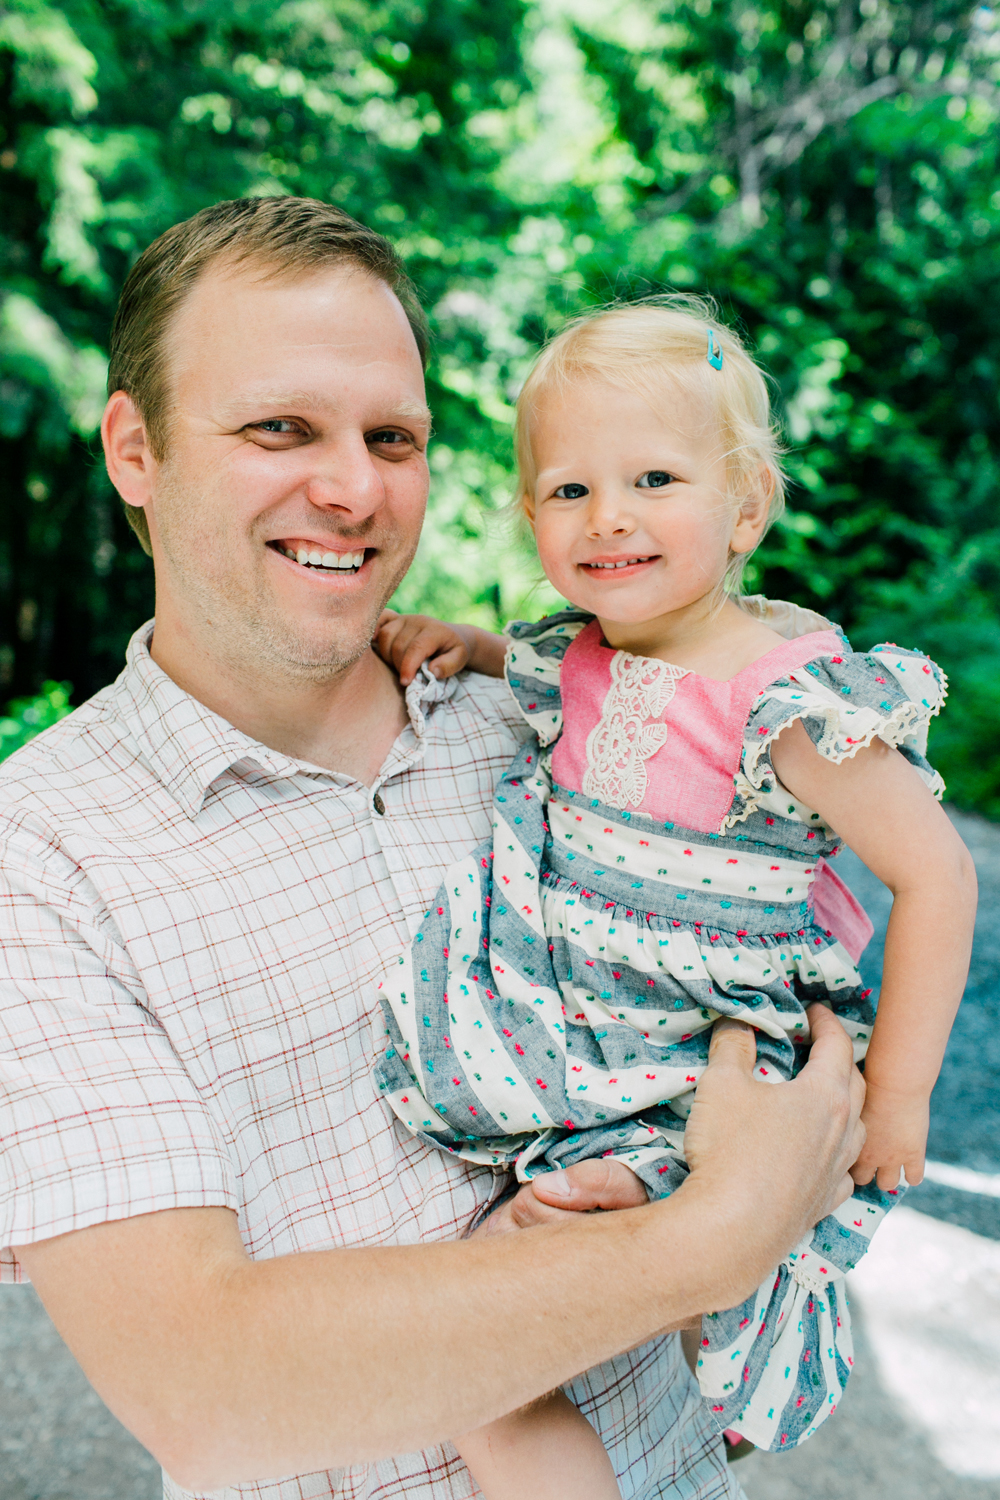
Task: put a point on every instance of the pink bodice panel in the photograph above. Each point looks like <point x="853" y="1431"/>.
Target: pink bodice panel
<point x="690" y="777"/>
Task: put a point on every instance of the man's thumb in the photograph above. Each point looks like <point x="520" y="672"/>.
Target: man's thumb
<point x="733" y="1043"/>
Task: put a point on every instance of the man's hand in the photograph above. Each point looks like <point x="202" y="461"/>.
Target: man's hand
<point x="789" y="1146"/>
<point x="554" y="1197"/>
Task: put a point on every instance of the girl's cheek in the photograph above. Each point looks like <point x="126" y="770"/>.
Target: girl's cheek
<point x="552" y="547"/>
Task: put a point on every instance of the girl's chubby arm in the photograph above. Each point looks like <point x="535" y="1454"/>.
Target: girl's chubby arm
<point x="407" y="641"/>
<point x="884" y="812"/>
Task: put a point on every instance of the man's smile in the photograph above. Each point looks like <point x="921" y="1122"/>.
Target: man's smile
<point x="319" y="558"/>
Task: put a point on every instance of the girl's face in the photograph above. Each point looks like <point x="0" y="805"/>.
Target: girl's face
<point x="630" y="510"/>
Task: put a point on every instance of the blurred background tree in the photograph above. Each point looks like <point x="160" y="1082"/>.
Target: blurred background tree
<point x="828" y="171"/>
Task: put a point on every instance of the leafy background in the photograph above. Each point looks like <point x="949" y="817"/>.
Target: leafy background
<point x="828" y="171"/>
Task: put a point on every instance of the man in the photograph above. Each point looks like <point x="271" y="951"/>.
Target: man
<point x="204" y="871"/>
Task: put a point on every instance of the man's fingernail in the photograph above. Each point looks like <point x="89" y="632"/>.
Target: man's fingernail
<point x="557" y="1183"/>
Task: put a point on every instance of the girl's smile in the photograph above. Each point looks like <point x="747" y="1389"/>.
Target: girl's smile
<point x="618" y="564"/>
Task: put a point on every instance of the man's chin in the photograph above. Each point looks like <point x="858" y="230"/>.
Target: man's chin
<point x="316" y="649"/>
<point x="317" y="656"/>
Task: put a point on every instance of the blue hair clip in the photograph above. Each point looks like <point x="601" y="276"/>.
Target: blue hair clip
<point x="714" y="355"/>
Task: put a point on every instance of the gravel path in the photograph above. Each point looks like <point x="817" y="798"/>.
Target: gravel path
<point x="58" y="1441"/>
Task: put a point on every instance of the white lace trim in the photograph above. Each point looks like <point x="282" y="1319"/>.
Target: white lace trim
<point x="751" y="783"/>
<point x="817" y="1277"/>
<point x="629" y="730"/>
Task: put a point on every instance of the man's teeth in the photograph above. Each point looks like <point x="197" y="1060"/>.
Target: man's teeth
<point x="312" y="558"/>
<point x="626" y="562"/>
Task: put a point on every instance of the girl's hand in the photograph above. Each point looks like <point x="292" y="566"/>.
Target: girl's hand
<point x="897" y="1137"/>
<point x="407" y="641"/>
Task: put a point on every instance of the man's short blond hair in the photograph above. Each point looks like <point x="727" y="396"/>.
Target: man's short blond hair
<point x="287" y="237"/>
<point x="648" y="347"/>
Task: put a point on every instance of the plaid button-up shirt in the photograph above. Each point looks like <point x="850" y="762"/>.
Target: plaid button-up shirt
<point x="192" y="928"/>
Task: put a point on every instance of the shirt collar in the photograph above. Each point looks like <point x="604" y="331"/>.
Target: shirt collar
<point x="187" y="746"/>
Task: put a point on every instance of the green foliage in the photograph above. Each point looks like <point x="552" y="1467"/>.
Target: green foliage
<point x="827" y="169"/>
<point x="26" y="717"/>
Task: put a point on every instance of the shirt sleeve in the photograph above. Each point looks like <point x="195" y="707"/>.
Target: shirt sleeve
<point x="99" y="1119"/>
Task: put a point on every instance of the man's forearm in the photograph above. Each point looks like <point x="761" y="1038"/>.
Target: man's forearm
<point x="313" y="1361"/>
<point x="232" y="1370"/>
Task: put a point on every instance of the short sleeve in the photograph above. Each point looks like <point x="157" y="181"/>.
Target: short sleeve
<point x="534" y="663"/>
<point x="99" y="1118"/>
<point x="845" y="702"/>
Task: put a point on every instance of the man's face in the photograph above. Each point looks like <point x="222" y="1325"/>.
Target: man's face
<point x="289" y="504"/>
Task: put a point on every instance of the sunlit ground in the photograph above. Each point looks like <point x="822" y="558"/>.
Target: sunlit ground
<point x="921" y="1417"/>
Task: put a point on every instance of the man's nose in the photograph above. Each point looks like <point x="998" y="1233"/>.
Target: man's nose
<point x="345" y="479"/>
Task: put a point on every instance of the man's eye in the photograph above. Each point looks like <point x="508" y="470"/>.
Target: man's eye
<point x="386" y="435"/>
<point x="571" y="492"/>
<point x="655" y="479"/>
<point x="279" y="425"/>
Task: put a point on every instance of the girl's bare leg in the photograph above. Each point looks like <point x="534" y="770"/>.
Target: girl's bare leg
<point x="547" y="1450"/>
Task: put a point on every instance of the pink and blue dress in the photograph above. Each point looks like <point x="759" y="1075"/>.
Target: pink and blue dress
<point x="647" y="874"/>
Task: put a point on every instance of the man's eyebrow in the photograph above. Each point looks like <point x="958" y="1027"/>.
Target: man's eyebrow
<point x="253" y="404"/>
<point x="418" y="409"/>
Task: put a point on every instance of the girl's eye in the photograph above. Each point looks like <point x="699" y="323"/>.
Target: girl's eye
<point x="571" y="492"/>
<point x="655" y="479"/>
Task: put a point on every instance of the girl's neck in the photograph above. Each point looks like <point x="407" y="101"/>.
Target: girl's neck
<point x="715" y="639"/>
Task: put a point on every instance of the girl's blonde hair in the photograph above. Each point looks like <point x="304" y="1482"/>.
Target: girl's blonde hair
<point x="640" y="346"/>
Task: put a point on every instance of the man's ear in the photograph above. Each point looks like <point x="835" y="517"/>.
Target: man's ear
<point x="751" y="518"/>
<point x="127" y="454"/>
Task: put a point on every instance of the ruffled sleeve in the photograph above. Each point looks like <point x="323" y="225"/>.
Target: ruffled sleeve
<point x="845" y="702"/>
<point x="534" y="663"/>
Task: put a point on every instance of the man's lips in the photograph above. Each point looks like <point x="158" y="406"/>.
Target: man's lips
<point x="609" y="566"/>
<point x="321" y="557"/>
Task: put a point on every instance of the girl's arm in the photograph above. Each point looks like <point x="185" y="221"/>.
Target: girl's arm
<point x="407" y="641"/>
<point x="884" y="812"/>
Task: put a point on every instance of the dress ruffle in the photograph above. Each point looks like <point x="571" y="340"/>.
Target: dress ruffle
<point x="844" y="701"/>
<point x="776" y="1367"/>
<point x="534" y="663"/>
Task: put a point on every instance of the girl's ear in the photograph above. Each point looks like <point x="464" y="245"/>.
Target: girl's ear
<point x="751" y="518"/>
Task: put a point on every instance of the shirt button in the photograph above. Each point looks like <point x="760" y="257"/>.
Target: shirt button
<point x="378" y="805"/>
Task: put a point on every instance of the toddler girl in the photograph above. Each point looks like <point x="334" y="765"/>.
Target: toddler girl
<point x="659" y="855"/>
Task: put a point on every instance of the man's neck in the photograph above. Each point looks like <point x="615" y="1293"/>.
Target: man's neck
<point x="346" y="724"/>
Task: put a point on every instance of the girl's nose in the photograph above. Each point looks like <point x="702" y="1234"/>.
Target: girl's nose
<point x="608" y="517"/>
